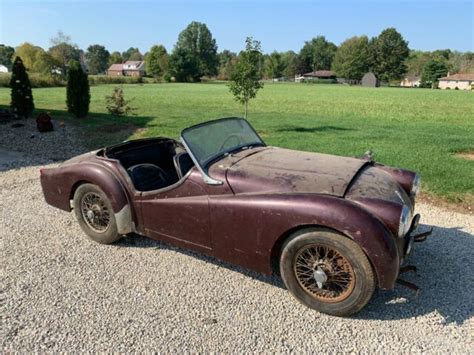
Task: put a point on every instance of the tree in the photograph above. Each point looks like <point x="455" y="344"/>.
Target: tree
<point x="63" y="51"/>
<point x="44" y="63"/>
<point x="227" y="61"/>
<point x="97" y="59"/>
<point x="352" y="58"/>
<point x="416" y="61"/>
<point x="317" y="54"/>
<point x="184" y="66"/>
<point x="432" y="71"/>
<point x="132" y="54"/>
<point x="77" y="93"/>
<point x="245" y="79"/>
<point x="6" y="55"/>
<point x="116" y="103"/>
<point x="21" y="95"/>
<point x="388" y="53"/>
<point x="274" y="65"/>
<point x="28" y="53"/>
<point x="196" y="41"/>
<point x="461" y="62"/>
<point x="290" y="63"/>
<point x="156" y="61"/>
<point x="115" y="58"/>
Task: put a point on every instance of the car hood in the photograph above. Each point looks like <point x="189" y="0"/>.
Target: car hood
<point x="283" y="170"/>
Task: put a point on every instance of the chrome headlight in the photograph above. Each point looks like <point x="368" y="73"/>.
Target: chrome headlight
<point x="405" y="219"/>
<point x="416" y="186"/>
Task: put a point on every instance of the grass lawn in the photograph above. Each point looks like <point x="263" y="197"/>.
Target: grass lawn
<point x="418" y="129"/>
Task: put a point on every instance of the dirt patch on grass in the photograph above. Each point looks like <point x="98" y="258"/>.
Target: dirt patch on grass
<point x="469" y="155"/>
<point x="465" y="206"/>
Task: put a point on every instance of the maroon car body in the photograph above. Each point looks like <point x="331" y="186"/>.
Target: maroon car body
<point x="241" y="207"/>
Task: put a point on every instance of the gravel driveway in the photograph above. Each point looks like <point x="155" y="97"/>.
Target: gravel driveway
<point x="60" y="291"/>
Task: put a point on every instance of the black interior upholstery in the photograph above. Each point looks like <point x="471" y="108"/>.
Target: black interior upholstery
<point x="152" y="164"/>
<point x="183" y="163"/>
<point x="148" y="177"/>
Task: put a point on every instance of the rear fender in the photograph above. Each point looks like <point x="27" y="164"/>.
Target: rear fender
<point x="59" y="185"/>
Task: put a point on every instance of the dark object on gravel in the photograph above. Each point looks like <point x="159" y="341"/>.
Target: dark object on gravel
<point x="5" y="116"/>
<point x="17" y="125"/>
<point x="43" y="122"/>
<point x="338" y="227"/>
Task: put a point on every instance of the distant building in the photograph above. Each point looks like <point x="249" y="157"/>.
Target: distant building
<point x="299" y="78"/>
<point x="411" y="81"/>
<point x="129" y="68"/>
<point x="115" y="70"/>
<point x="3" y="69"/>
<point x="320" y="74"/>
<point x="370" y="80"/>
<point x="461" y="81"/>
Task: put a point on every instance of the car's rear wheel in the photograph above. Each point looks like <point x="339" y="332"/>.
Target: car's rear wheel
<point x="95" y="215"/>
<point x="327" y="271"/>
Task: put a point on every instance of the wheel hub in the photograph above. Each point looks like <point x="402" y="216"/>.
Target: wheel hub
<point x="95" y="212"/>
<point x="320" y="277"/>
<point x="90" y="214"/>
<point x="324" y="273"/>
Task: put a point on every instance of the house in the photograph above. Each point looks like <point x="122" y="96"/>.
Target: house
<point x="370" y="80"/>
<point x="461" y="81"/>
<point x="411" y="81"/>
<point x="3" y="69"/>
<point x="320" y="74"/>
<point x="129" y="68"/>
<point x="115" y="70"/>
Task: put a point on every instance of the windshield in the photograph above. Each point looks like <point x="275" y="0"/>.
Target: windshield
<point x="211" y="140"/>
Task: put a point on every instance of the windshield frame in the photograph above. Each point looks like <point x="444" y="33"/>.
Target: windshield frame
<point x="217" y="156"/>
<point x="203" y="167"/>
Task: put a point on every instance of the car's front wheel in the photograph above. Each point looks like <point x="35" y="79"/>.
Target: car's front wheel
<point x="327" y="271"/>
<point x="95" y="215"/>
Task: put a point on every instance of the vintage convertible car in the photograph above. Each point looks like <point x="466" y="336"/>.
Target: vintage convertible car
<point x="334" y="227"/>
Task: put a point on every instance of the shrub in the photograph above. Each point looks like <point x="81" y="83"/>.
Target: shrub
<point x="46" y="81"/>
<point x="5" y="80"/>
<point x="116" y="103"/>
<point x="321" y="81"/>
<point x="104" y="79"/>
<point x="78" y="93"/>
<point x="21" y="95"/>
<point x="36" y="80"/>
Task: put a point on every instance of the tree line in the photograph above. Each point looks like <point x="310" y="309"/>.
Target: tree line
<point x="195" y="55"/>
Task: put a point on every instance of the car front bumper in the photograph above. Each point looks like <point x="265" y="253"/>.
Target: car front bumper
<point x="406" y="247"/>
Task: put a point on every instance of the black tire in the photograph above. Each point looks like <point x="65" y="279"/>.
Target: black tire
<point x="105" y="230"/>
<point x="350" y="280"/>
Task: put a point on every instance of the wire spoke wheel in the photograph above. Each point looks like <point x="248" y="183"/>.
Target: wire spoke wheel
<point x="95" y="212"/>
<point x="324" y="273"/>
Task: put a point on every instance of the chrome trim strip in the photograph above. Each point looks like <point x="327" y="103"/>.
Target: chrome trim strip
<point x="207" y="179"/>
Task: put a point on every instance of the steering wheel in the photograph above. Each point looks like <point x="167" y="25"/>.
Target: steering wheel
<point x="228" y="139"/>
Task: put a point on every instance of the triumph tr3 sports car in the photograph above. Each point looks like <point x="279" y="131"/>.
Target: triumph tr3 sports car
<point x="335" y="228"/>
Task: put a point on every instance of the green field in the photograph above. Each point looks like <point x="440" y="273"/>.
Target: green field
<point x="417" y="129"/>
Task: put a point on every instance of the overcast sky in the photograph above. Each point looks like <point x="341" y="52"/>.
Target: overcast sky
<point x="279" y="25"/>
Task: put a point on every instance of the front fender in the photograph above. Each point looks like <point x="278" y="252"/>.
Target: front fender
<point x="262" y="222"/>
<point x="59" y="185"/>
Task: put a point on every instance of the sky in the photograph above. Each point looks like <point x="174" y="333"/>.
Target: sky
<point x="278" y="24"/>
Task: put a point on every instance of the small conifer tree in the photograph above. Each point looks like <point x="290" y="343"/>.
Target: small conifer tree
<point x="78" y="93"/>
<point x="21" y="95"/>
<point x="116" y="103"/>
